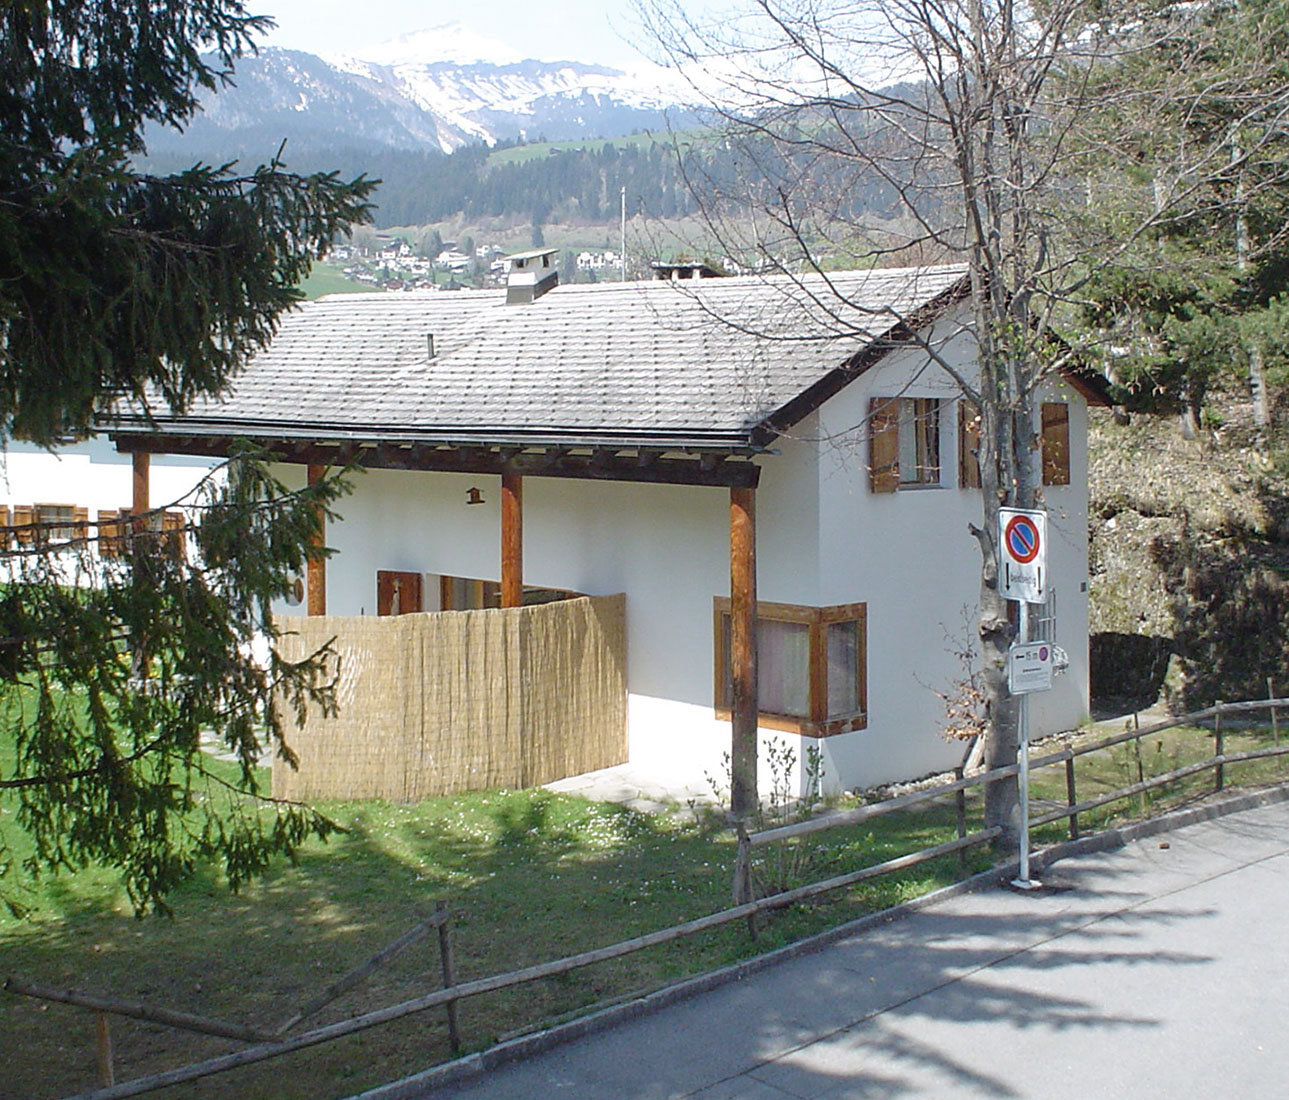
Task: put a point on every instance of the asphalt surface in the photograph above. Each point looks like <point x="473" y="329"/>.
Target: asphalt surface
<point x="1159" y="969"/>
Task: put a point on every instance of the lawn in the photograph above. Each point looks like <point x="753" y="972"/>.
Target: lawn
<point x="530" y="876"/>
<point x="327" y="279"/>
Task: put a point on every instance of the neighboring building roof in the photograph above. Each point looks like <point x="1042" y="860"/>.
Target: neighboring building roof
<point x="717" y="364"/>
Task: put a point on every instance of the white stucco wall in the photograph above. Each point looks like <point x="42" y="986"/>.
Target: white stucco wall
<point x="910" y="555"/>
<point x="823" y="539"/>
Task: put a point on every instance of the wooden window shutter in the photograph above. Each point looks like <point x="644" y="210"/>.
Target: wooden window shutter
<point x="109" y="532"/>
<point x="172" y="525"/>
<point x="397" y="593"/>
<point x="6" y="532"/>
<point x="883" y="444"/>
<point x="81" y="521"/>
<point x="1056" y="443"/>
<point x="24" y="515"/>
<point x="968" y="445"/>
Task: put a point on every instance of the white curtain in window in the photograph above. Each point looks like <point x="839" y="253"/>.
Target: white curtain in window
<point x="843" y="669"/>
<point x="783" y="669"/>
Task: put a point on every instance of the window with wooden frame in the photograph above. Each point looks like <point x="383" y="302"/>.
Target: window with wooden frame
<point x="1054" y="440"/>
<point x="812" y="667"/>
<point x="903" y="442"/>
<point x="467" y="594"/>
<point x="59" y="522"/>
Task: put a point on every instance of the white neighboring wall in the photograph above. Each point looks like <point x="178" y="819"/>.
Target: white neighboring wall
<point x="823" y="538"/>
<point x="91" y="474"/>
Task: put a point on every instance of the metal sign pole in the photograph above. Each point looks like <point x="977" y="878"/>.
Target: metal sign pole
<point x="1024" y="882"/>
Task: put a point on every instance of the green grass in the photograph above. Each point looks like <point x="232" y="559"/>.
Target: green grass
<point x="323" y="279"/>
<point x="531" y="876"/>
<point x="1121" y="766"/>
<point x="522" y="154"/>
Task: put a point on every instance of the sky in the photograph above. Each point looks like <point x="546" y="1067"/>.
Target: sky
<point x="576" y="30"/>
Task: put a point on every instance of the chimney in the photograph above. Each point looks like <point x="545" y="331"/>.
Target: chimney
<point x="685" y="269"/>
<point x="531" y="275"/>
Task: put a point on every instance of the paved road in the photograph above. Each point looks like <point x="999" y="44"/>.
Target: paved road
<point x="1160" y="969"/>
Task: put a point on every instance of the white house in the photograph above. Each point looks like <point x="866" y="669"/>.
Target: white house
<point x="88" y="482"/>
<point x="608" y="438"/>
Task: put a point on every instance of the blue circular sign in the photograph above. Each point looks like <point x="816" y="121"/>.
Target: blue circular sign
<point x="1021" y="537"/>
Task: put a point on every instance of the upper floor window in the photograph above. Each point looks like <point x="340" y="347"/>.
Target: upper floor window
<point x="903" y="442"/>
<point x="1054" y="441"/>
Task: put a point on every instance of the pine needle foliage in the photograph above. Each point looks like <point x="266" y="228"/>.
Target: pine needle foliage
<point x="112" y="281"/>
<point x="122" y="647"/>
<point x="122" y="651"/>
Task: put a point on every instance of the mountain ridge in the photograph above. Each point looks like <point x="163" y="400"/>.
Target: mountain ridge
<point x="406" y="95"/>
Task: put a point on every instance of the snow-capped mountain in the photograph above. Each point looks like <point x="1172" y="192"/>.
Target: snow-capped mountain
<point x="449" y="43"/>
<point x="440" y="88"/>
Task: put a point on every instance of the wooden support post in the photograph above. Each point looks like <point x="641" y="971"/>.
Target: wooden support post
<point x="960" y="799"/>
<point x="449" y="975"/>
<point x="316" y="569"/>
<point x="140" y="505"/>
<point x="743" y="708"/>
<point x="103" y="1049"/>
<point x="141" y="497"/>
<point x="1219" y="772"/>
<point x="512" y="540"/>
<point x="1071" y="797"/>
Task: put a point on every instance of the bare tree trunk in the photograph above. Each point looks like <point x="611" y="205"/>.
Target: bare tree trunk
<point x="1258" y="386"/>
<point x="1257" y="366"/>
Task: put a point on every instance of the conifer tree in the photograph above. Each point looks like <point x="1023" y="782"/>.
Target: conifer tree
<point x="122" y="646"/>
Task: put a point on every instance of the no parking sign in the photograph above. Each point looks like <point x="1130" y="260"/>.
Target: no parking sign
<point x="1022" y="554"/>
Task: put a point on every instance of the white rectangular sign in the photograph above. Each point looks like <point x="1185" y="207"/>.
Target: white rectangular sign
<point x="1029" y="667"/>
<point x="1022" y="554"/>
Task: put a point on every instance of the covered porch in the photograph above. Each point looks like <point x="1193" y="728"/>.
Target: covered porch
<point x="442" y="687"/>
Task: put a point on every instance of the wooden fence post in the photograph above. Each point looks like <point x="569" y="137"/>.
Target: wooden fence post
<point x="1219" y="772"/>
<point x="449" y="975"/>
<point x="1071" y="797"/>
<point x="961" y="801"/>
<point x="743" y="891"/>
<point x="1136" y="755"/>
<point x="103" y="1045"/>
<point x="1275" y="723"/>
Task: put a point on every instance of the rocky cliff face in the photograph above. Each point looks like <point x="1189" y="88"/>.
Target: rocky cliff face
<point x="1189" y="562"/>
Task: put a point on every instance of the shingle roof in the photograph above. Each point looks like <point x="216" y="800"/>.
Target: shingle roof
<point x="701" y="363"/>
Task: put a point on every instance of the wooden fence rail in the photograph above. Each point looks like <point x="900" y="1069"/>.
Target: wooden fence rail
<point x="1161" y="780"/>
<point x="1064" y="755"/>
<point x="554" y="968"/>
<point x="274" y="1044"/>
<point x="137" y="1010"/>
<point x="104" y="1007"/>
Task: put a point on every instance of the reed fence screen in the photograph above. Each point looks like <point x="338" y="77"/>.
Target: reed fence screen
<point x="443" y="702"/>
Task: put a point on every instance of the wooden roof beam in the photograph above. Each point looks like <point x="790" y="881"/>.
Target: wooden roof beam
<point x="599" y="464"/>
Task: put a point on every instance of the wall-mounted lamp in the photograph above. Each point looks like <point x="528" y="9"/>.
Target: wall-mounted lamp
<point x="474" y="496"/>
